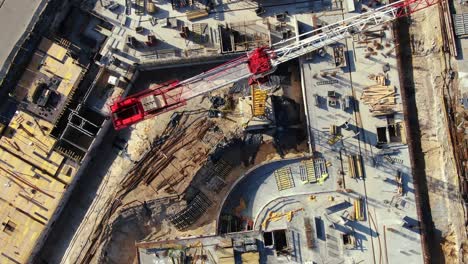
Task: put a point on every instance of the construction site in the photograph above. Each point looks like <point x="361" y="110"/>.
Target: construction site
<point x="233" y="131"/>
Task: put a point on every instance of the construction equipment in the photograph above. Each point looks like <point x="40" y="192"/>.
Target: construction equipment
<point x="334" y="139"/>
<point x="322" y="179"/>
<point x="276" y="216"/>
<point x="255" y="65"/>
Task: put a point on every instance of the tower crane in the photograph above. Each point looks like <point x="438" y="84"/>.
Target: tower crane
<point x="255" y="64"/>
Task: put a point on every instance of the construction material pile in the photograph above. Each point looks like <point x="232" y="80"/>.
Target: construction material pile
<point x="159" y="158"/>
<point x="380" y="97"/>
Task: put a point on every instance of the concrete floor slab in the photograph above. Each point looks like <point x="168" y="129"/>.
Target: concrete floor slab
<point x="386" y="210"/>
<point x="259" y="187"/>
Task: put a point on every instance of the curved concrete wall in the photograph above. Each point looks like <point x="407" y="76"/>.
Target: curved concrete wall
<point x="251" y="171"/>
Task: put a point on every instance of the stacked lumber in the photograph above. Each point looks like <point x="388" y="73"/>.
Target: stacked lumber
<point x="309" y="232"/>
<point x="196" y="14"/>
<point x="380" y="99"/>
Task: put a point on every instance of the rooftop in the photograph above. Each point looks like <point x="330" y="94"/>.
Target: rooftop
<point x="337" y="205"/>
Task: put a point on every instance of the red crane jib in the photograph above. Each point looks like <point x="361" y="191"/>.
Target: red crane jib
<point x="172" y="94"/>
<point x="168" y="96"/>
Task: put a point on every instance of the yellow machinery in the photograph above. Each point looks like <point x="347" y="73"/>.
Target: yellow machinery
<point x="258" y="100"/>
<point x="322" y="178"/>
<point x="276" y="216"/>
<point x="334" y="139"/>
<point x="151" y="7"/>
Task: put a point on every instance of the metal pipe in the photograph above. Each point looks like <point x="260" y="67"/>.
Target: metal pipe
<point x="26" y="182"/>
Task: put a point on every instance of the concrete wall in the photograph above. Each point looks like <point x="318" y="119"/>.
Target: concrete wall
<point x="176" y="62"/>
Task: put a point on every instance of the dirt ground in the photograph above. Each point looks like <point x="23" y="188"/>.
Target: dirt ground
<point x="441" y="173"/>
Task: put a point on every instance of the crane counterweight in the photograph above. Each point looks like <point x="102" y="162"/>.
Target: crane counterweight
<point x="154" y="101"/>
<point x="260" y="62"/>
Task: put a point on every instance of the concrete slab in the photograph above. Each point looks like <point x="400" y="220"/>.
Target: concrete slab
<point x="385" y="208"/>
<point x="259" y="187"/>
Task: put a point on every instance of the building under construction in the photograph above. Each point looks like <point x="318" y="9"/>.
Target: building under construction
<point x="40" y="154"/>
<point x="236" y="132"/>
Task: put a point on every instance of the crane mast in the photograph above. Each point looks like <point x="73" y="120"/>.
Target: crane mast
<point x="254" y="65"/>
